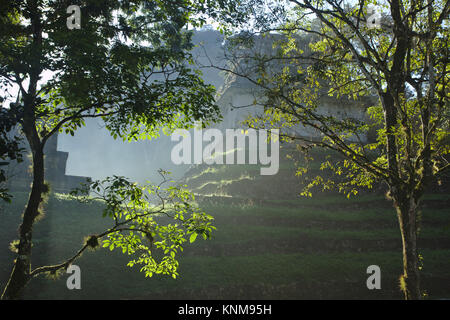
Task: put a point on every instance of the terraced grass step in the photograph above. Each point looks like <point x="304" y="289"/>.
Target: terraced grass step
<point x="440" y="201"/>
<point x="271" y="249"/>
<point x="310" y="215"/>
<point x="298" y="276"/>
<point x="299" y="290"/>
<point x="306" y="244"/>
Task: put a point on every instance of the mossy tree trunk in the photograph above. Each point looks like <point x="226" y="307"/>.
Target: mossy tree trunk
<point x="407" y="216"/>
<point x="22" y="265"/>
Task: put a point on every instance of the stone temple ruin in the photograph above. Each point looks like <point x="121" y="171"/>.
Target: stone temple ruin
<point x="19" y="174"/>
<point x="140" y="160"/>
<point x="237" y="95"/>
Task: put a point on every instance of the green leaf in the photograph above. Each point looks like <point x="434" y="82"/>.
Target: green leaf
<point x="193" y="237"/>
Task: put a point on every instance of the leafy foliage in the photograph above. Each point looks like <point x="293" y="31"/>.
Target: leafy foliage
<point x="129" y="65"/>
<point x="327" y="50"/>
<point x="10" y="148"/>
<point x="396" y="69"/>
<point x="147" y="220"/>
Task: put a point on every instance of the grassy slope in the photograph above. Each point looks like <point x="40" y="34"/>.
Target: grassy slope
<point x="268" y="245"/>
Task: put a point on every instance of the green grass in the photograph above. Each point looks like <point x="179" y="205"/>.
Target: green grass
<point x="249" y="233"/>
<point x="309" y="212"/>
<point x="294" y="249"/>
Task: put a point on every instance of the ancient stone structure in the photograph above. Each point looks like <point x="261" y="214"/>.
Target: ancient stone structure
<point x="237" y="95"/>
<point x="19" y="174"/>
<point x="139" y="161"/>
<point x="237" y="98"/>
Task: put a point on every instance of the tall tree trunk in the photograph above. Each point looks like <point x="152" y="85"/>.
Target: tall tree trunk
<point x="22" y="265"/>
<point x="407" y="217"/>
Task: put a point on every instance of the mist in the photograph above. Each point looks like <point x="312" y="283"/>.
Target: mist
<point x="94" y="153"/>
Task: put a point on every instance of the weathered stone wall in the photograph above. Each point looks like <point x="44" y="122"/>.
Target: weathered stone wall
<point x="104" y="156"/>
<point x="238" y="96"/>
<point x="19" y="174"/>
